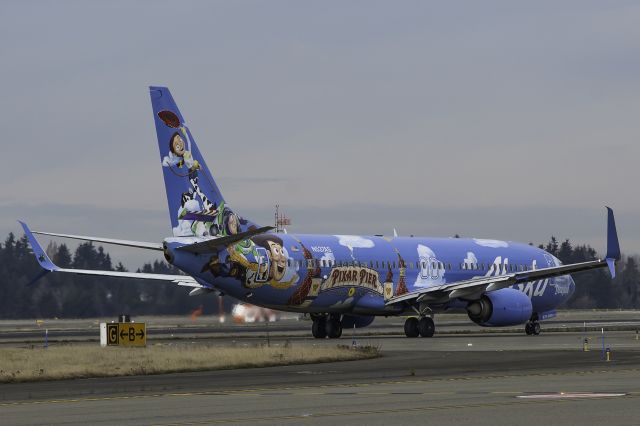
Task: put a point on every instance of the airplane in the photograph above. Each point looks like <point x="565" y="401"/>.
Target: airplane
<point x="340" y="281"/>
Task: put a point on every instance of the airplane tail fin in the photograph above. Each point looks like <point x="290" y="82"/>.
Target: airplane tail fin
<point x="613" y="246"/>
<point x="196" y="205"/>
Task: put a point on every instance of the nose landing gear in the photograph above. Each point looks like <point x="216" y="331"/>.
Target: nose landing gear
<point x="532" y="328"/>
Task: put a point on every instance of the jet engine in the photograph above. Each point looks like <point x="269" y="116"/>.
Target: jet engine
<point x="500" y="308"/>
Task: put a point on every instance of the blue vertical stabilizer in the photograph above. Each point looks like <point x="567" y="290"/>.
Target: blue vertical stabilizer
<point x="196" y="205"/>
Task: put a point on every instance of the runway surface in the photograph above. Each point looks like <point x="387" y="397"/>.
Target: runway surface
<point x="209" y="327"/>
<point x="480" y="379"/>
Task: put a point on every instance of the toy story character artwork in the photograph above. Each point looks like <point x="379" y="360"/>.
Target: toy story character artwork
<point x="207" y="205"/>
<point x="188" y="205"/>
<point x="179" y="156"/>
<point x="259" y="261"/>
<point x="197" y="216"/>
<point x="214" y="266"/>
<point x="277" y="261"/>
<point x="230" y="222"/>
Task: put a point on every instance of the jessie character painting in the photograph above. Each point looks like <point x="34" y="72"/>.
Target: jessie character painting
<point x="179" y="156"/>
<point x="179" y="144"/>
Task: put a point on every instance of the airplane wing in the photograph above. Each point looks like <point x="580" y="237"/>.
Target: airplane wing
<point x="478" y="285"/>
<point x="127" y="243"/>
<point x="49" y="266"/>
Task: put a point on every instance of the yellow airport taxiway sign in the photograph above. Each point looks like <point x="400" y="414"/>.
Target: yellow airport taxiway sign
<point x="127" y="334"/>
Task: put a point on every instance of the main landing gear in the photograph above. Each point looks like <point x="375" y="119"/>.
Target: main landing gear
<point x="423" y="326"/>
<point x="327" y="326"/>
<point x="532" y="328"/>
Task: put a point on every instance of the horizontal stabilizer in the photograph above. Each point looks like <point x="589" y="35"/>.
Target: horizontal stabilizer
<point x="127" y="243"/>
<point x="49" y="266"/>
<point x="215" y="244"/>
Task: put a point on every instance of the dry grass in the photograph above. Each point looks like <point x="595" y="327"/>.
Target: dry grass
<point x="81" y="361"/>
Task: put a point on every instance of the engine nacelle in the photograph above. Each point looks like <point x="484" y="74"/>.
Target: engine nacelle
<point x="500" y="308"/>
<point x="349" y="321"/>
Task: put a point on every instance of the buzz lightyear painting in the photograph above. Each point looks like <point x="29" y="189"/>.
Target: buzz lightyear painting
<point x="197" y="216"/>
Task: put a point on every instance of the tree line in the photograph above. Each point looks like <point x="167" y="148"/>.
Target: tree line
<point x="74" y="296"/>
<point x="595" y="288"/>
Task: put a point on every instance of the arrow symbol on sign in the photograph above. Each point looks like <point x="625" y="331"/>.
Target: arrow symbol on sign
<point x="122" y="334"/>
<point x="140" y="334"/>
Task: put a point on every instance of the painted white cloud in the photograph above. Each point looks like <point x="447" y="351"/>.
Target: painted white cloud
<point x="354" y="241"/>
<point x="328" y="256"/>
<point x="471" y="257"/>
<point x="490" y="243"/>
<point x="425" y="278"/>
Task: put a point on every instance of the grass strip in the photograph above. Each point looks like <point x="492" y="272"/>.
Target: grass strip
<point x="84" y="361"/>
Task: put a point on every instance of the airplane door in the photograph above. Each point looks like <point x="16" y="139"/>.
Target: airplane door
<point x="433" y="264"/>
<point x="424" y="268"/>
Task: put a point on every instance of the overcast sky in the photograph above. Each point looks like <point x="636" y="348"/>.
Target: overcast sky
<point x="509" y="120"/>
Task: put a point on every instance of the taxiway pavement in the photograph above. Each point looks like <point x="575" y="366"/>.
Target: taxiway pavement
<point x="481" y="379"/>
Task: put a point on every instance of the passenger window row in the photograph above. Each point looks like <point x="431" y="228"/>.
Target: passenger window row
<point x="434" y="265"/>
<point x="507" y="267"/>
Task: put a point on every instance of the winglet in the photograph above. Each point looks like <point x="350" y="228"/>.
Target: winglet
<point x="613" y="247"/>
<point x="38" y="251"/>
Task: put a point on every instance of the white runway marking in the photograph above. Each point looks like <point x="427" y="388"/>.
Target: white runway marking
<point x="571" y="395"/>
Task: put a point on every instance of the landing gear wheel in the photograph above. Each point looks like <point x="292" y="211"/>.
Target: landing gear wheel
<point x="318" y="329"/>
<point x="536" y="328"/>
<point x="411" y="327"/>
<point x="333" y="328"/>
<point x="426" y="327"/>
<point x="528" y="328"/>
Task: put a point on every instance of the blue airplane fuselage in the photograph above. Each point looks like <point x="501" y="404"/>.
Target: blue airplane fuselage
<point x="356" y="274"/>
